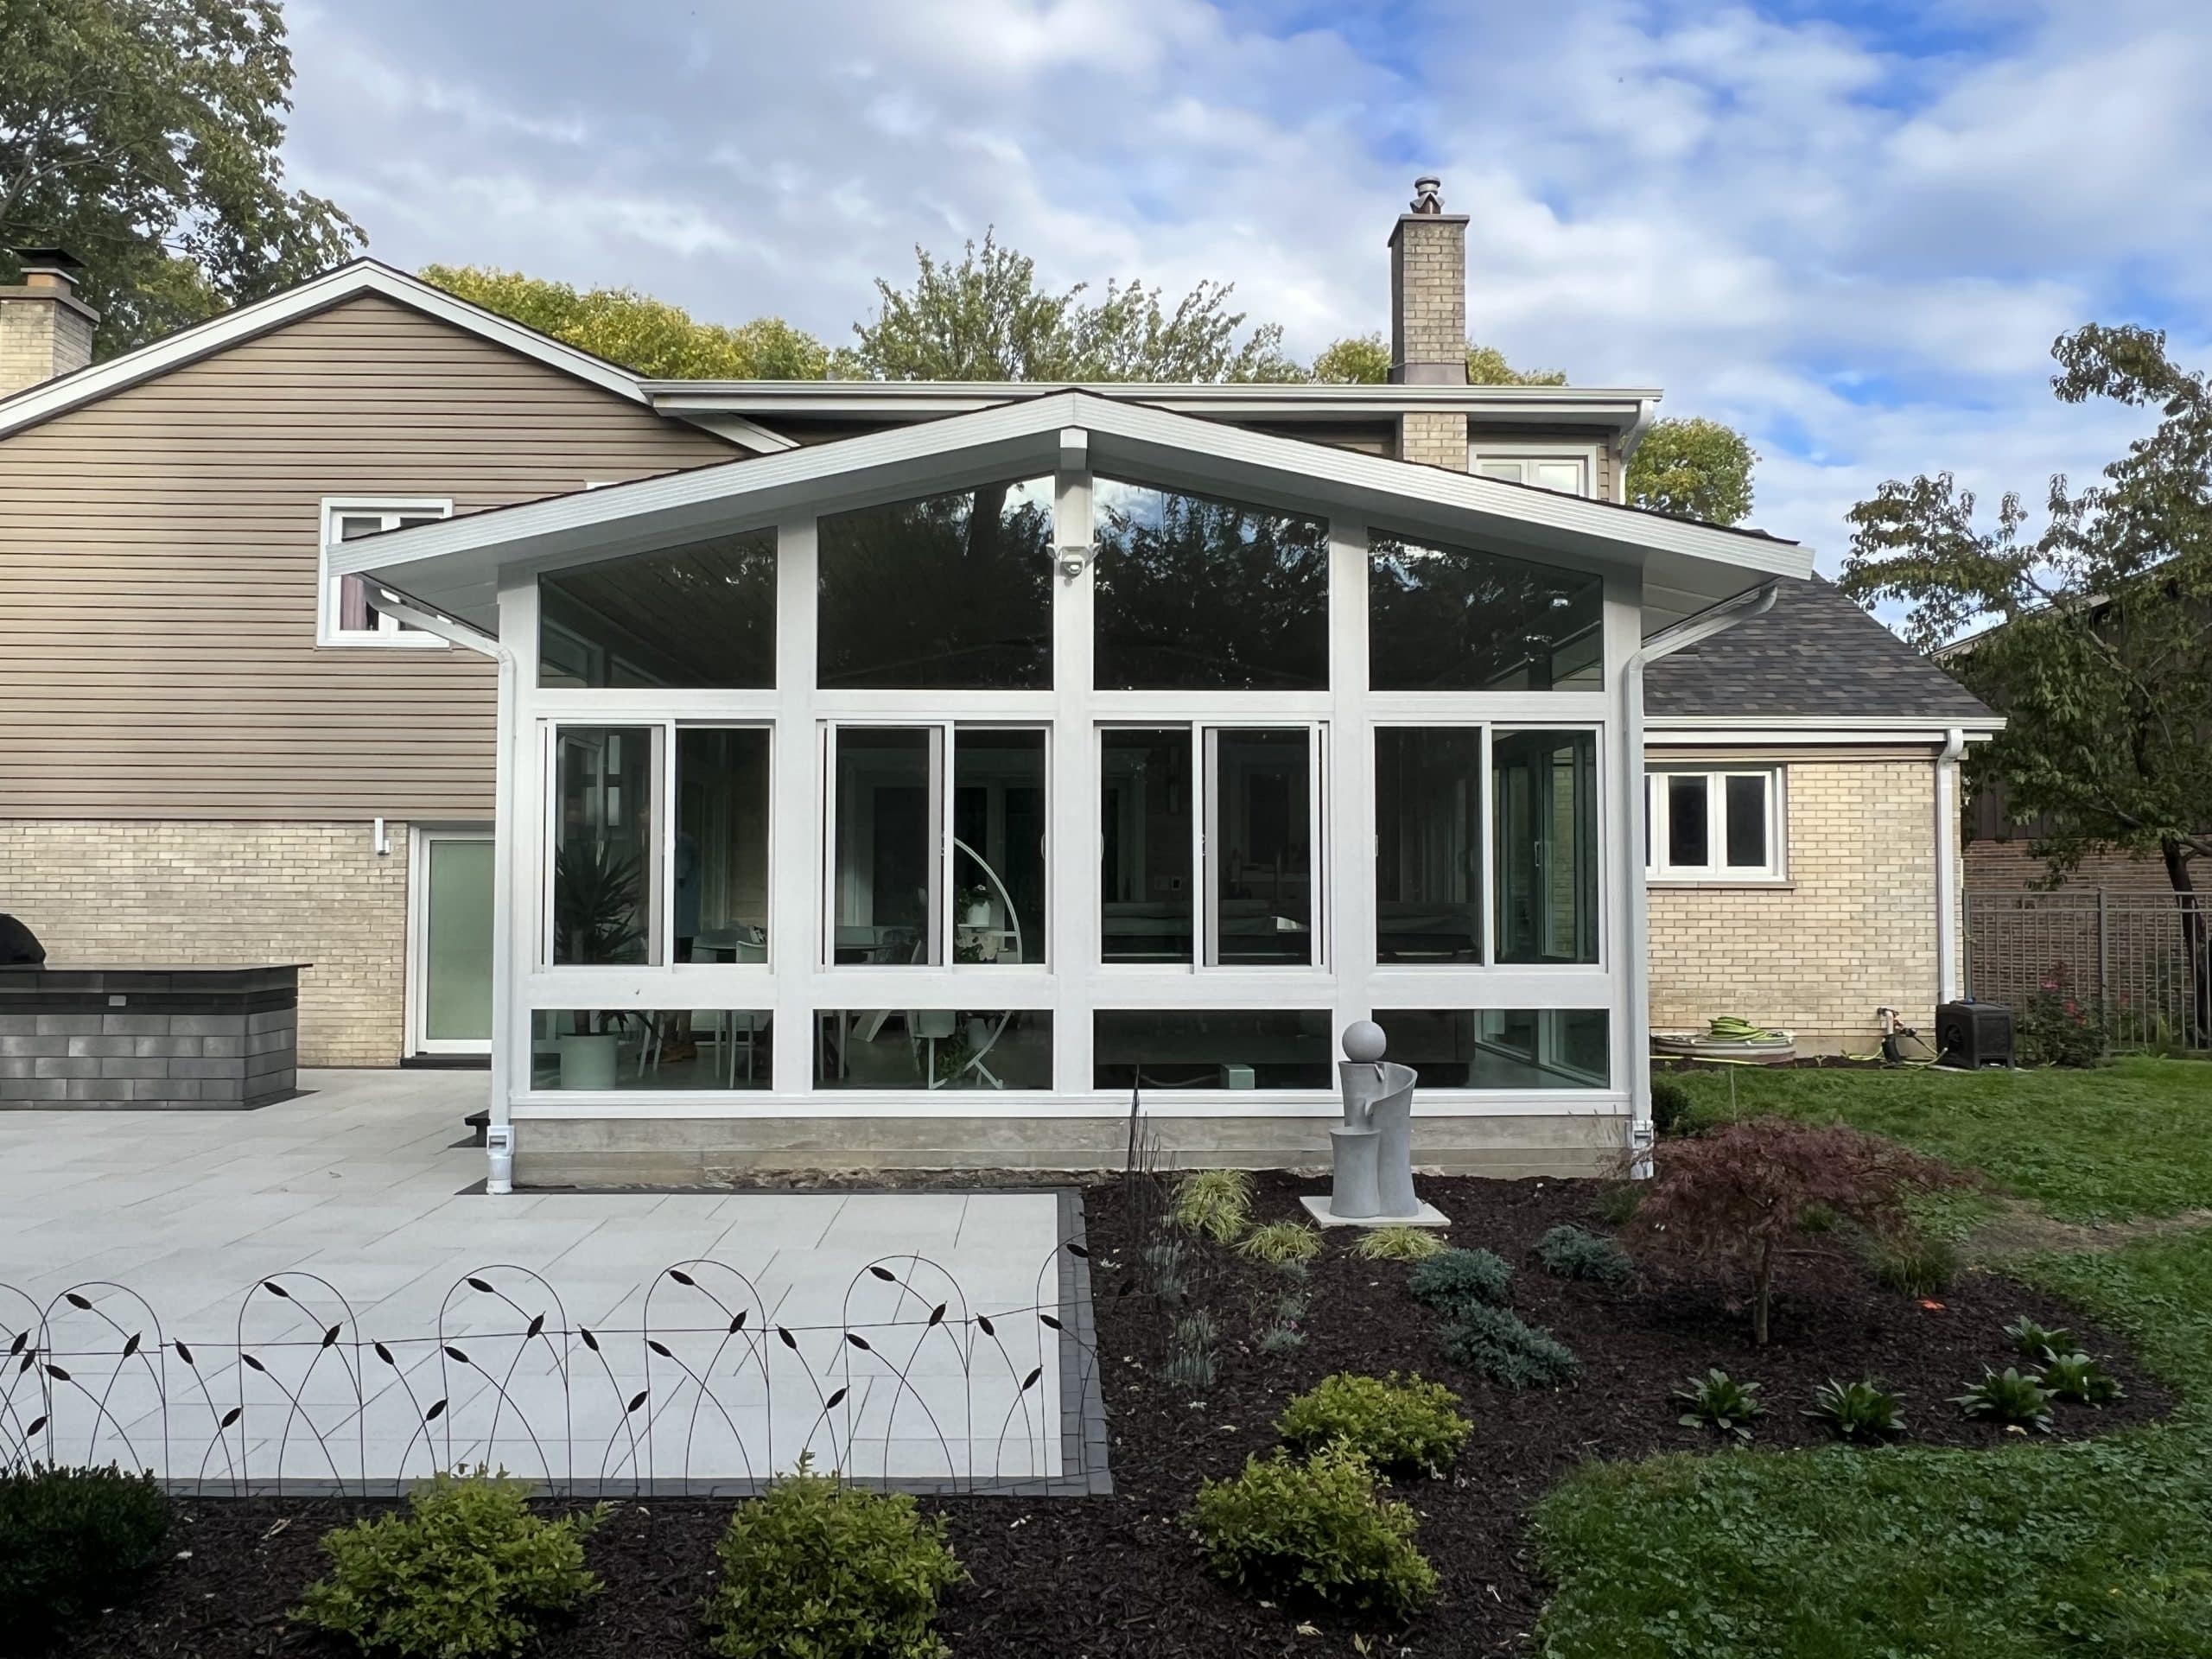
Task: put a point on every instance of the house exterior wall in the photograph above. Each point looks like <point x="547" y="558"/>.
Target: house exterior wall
<point x="1851" y="927"/>
<point x="2013" y="867"/>
<point x="158" y="571"/>
<point x="192" y="893"/>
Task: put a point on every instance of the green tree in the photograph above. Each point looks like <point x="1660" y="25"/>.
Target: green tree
<point x="1364" y="360"/>
<point x="1692" y="468"/>
<point x="986" y="319"/>
<point x="2102" y="657"/>
<point x="142" y="136"/>
<point x="658" y="341"/>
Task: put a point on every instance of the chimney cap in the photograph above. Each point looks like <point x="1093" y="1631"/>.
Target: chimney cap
<point x="60" y="268"/>
<point x="1428" y="195"/>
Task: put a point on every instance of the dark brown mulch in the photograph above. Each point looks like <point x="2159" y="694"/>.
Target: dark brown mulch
<point x="1118" y="1576"/>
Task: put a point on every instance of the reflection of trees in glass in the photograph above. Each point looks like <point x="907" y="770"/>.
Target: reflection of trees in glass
<point x="700" y="616"/>
<point x="1199" y="594"/>
<point x="949" y="591"/>
<point x="1452" y="620"/>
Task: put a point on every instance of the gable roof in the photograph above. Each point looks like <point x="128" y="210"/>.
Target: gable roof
<point x="453" y="566"/>
<point x="73" y="390"/>
<point x="1814" y="655"/>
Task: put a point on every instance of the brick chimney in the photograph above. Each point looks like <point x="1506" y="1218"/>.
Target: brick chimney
<point x="45" y="330"/>
<point x="1428" y="321"/>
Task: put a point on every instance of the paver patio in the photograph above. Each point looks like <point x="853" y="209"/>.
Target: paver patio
<point x="317" y="1299"/>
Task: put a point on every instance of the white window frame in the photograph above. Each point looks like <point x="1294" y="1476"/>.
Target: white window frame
<point x="1716" y="869"/>
<point x="390" y="632"/>
<point x="1532" y="450"/>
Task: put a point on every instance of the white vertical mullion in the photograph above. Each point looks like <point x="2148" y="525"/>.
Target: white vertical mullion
<point x="1486" y="860"/>
<point x="939" y="895"/>
<point x="1205" y="828"/>
<point x="1072" y="796"/>
<point x="1344" y="782"/>
<point x="800" y="871"/>
<point x="661" y="764"/>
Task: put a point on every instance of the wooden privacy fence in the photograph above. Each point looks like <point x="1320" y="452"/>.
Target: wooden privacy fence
<point x="2140" y="956"/>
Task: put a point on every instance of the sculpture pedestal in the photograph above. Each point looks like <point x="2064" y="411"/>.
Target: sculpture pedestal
<point x="1427" y="1216"/>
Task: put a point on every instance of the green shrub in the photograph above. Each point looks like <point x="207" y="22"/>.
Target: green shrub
<point x="2009" y="1398"/>
<point x="1282" y="1241"/>
<point x="1671" y="1106"/>
<point x="1314" y="1530"/>
<point x="818" y="1568"/>
<point x="1858" y="1411"/>
<point x="466" y="1570"/>
<point x="1215" y="1204"/>
<point x="1616" y="1203"/>
<point x="1454" y="1280"/>
<point x="72" y="1542"/>
<point x="1913" y="1262"/>
<point x="2079" y="1378"/>
<point x="1571" y="1253"/>
<point x="2036" y="1342"/>
<point x="1397" y="1244"/>
<point x="1717" y="1400"/>
<point x="2055" y="1027"/>
<point x="1500" y="1345"/>
<point x="1395" y="1425"/>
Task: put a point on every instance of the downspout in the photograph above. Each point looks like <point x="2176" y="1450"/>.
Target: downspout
<point x="498" y="1135"/>
<point x="1637" y="966"/>
<point x="1946" y="871"/>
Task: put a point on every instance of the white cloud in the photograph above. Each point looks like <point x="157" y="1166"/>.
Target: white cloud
<point x="1856" y="245"/>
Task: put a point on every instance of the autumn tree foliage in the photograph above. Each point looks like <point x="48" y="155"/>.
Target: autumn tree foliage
<point x="1734" y="1197"/>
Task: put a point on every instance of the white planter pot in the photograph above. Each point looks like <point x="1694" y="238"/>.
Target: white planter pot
<point x="588" y="1062"/>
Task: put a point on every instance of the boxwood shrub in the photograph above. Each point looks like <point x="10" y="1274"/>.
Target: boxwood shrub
<point x="72" y="1542"/>
<point x="1396" y="1425"/>
<point x="1315" y="1530"/>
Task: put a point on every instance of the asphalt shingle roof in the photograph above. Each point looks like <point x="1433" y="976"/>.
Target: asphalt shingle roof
<point x="1814" y="653"/>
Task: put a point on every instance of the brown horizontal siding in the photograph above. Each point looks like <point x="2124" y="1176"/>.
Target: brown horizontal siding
<point x="158" y="568"/>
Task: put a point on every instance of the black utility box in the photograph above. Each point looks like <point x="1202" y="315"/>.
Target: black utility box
<point x="1971" y="1035"/>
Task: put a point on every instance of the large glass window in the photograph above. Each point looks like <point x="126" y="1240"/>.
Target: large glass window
<point x="1258" y="887"/>
<point x="1544" y="788"/>
<point x="1145" y="836"/>
<point x="605" y="875"/>
<point x="602" y="1049"/>
<point x="719" y="883"/>
<point x="1715" y="826"/>
<point x="1443" y="619"/>
<point x="1184" y="1048"/>
<point x="950" y="591"/>
<point x="901" y="891"/>
<point x="1197" y="594"/>
<point x="1493" y="1048"/>
<point x="696" y="617"/>
<point x="1428" y="844"/>
<point x="933" y="1048"/>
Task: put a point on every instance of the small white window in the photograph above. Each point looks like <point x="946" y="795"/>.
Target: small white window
<point x="346" y="617"/>
<point x="1568" y="471"/>
<point x="1714" y="826"/>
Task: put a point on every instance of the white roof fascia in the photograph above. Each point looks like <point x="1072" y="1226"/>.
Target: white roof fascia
<point x="53" y="398"/>
<point x="736" y="427"/>
<point x="1779" y="730"/>
<point x="1613" y="407"/>
<point x="1154" y="444"/>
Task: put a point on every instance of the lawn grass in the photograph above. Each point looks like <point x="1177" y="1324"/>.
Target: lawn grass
<point x="2035" y="1549"/>
<point x="2130" y="1140"/>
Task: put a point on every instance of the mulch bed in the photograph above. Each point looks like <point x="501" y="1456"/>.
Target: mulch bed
<point x="1118" y="1576"/>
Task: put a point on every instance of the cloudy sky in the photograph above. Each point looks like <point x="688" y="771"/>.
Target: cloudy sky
<point x="1851" y="229"/>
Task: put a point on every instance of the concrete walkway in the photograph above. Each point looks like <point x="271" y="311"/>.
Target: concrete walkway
<point x="316" y="1299"/>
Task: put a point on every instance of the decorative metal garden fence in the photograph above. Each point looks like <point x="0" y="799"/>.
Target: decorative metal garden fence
<point x="899" y="1382"/>
<point x="2141" y="957"/>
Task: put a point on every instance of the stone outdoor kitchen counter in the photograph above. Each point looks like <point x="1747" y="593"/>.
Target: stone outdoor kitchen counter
<point x="148" y="1037"/>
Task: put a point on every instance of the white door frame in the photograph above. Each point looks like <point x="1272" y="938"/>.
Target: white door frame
<point x="419" y="837"/>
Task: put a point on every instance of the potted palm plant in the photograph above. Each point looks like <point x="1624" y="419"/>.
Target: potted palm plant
<point x="595" y="888"/>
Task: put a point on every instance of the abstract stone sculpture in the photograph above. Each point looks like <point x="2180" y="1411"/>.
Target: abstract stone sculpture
<point x="1374" y="1145"/>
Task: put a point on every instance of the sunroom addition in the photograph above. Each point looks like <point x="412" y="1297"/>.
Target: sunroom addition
<point x="990" y="770"/>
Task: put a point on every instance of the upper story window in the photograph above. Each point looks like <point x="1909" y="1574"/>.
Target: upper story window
<point x="1568" y="468"/>
<point x="1448" y="619"/>
<point x="950" y="592"/>
<point x="344" y="616"/>
<point x="1197" y="594"/>
<point x="1714" y="826"/>
<point x="701" y="617"/>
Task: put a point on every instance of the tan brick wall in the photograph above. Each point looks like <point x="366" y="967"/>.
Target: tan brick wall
<point x="119" y="892"/>
<point x="1428" y="296"/>
<point x="2011" y="867"/>
<point x="1433" y="439"/>
<point x="1853" y="930"/>
<point x="40" y="336"/>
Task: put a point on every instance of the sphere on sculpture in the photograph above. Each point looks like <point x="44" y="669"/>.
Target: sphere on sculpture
<point x="1365" y="1042"/>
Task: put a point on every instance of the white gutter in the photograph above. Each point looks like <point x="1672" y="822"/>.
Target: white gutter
<point x="498" y="1135"/>
<point x="1647" y="411"/>
<point x="1947" y="873"/>
<point x="1636" y="967"/>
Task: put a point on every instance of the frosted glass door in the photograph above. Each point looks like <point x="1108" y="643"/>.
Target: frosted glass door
<point x="455" y="981"/>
